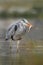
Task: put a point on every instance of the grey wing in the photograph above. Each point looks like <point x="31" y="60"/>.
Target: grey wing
<point x="11" y="31"/>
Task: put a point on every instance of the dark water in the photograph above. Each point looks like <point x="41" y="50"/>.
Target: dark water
<point x="30" y="48"/>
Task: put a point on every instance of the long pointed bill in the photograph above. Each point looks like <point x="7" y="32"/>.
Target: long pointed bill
<point x="30" y="28"/>
<point x="29" y="25"/>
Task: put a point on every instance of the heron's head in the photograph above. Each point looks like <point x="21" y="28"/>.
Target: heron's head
<point x="27" y="24"/>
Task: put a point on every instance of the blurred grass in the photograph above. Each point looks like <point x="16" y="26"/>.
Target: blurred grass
<point x="32" y="6"/>
<point x="28" y="14"/>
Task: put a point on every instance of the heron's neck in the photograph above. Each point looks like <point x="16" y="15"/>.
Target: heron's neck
<point x="22" y="24"/>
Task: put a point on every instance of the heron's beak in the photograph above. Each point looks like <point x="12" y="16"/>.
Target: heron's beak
<point x="29" y="25"/>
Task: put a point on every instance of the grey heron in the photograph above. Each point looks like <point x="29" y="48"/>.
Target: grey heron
<point x="17" y="30"/>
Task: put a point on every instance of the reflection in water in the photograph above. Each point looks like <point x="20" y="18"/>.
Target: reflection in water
<point x="29" y="59"/>
<point x="29" y="54"/>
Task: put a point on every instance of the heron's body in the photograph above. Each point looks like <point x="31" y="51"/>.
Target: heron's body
<point x="20" y="31"/>
<point x="17" y="30"/>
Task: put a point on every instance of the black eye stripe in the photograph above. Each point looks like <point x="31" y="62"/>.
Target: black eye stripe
<point x="23" y="21"/>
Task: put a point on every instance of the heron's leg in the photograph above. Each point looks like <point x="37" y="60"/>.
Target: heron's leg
<point x="12" y="37"/>
<point x="18" y="44"/>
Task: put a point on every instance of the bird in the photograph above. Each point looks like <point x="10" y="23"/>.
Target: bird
<point x="17" y="30"/>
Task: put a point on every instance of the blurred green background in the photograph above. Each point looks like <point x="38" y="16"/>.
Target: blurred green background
<point x="21" y="8"/>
